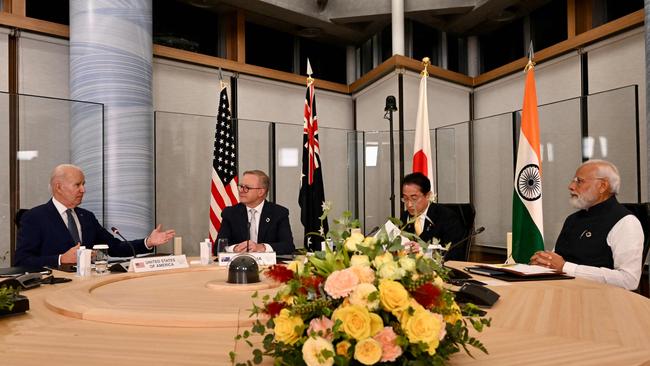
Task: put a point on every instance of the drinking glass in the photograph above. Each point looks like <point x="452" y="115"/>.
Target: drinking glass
<point x="101" y="258"/>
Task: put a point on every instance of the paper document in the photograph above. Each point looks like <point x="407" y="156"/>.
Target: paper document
<point x="522" y="269"/>
<point x="392" y="231"/>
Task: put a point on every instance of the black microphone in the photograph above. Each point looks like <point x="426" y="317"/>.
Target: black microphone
<point x="456" y="276"/>
<point x="117" y="232"/>
<point x="468" y="237"/>
<point x="373" y="231"/>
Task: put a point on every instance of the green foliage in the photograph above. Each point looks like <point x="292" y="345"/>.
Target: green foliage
<point x="8" y="297"/>
<point x="302" y="300"/>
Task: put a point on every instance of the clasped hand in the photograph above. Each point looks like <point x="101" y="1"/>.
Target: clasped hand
<point x="252" y="247"/>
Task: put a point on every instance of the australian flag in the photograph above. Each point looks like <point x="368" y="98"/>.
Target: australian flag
<point x="312" y="195"/>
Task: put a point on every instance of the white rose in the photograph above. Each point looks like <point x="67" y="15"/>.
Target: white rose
<point x="352" y="241"/>
<point x="359" y="260"/>
<point x="312" y="352"/>
<point x="360" y="296"/>
<point x="390" y="271"/>
<point x="407" y="263"/>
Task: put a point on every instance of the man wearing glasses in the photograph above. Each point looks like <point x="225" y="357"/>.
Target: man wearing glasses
<point x="603" y="241"/>
<point x="430" y="220"/>
<point x="255" y="224"/>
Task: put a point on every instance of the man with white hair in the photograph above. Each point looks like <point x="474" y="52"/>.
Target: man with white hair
<point x="603" y="241"/>
<point x="51" y="234"/>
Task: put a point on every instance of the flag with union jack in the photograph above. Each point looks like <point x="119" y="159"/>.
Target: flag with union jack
<point x="312" y="194"/>
<point x="224" y="166"/>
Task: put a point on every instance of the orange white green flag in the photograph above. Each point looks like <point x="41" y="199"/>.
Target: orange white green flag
<point x="422" y="159"/>
<point x="527" y="219"/>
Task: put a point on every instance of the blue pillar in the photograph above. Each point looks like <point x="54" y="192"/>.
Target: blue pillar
<point x="111" y="63"/>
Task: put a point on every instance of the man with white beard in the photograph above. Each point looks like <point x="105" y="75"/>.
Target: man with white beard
<point x="603" y="241"/>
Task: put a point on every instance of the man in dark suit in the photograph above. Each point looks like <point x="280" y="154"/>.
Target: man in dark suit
<point x="255" y="223"/>
<point x="430" y="220"/>
<point x="50" y="234"/>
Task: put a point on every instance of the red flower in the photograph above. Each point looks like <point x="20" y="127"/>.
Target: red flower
<point x="427" y="295"/>
<point x="310" y="283"/>
<point x="279" y="273"/>
<point x="273" y="308"/>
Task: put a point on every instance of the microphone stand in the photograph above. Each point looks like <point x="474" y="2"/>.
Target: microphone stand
<point x="117" y="232"/>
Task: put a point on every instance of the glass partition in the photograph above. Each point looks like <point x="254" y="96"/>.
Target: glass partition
<point x="45" y="140"/>
<point x="613" y="129"/>
<point x="184" y="147"/>
<point x="6" y="215"/>
<point x="612" y="134"/>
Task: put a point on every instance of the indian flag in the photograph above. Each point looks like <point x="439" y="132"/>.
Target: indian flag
<point x="527" y="219"/>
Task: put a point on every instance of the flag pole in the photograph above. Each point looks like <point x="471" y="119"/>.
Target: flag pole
<point x="426" y="62"/>
<point x="310" y="80"/>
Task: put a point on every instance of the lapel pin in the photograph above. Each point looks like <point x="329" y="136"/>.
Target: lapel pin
<point x="268" y="220"/>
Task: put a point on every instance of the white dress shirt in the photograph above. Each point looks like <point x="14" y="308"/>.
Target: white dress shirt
<point x="258" y="218"/>
<point x="626" y="241"/>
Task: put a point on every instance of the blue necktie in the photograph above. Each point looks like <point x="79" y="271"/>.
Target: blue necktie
<point x="72" y="227"/>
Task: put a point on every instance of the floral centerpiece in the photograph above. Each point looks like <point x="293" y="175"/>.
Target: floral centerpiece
<point x="368" y="301"/>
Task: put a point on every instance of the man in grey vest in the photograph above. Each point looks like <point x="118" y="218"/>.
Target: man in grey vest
<point x="603" y="241"/>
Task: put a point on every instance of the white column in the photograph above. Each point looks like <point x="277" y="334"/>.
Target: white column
<point x="350" y="64"/>
<point x="397" y="26"/>
<point x="111" y="63"/>
<point x="472" y="56"/>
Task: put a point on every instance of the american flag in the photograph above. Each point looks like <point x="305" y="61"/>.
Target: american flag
<point x="224" y="166"/>
<point x="312" y="194"/>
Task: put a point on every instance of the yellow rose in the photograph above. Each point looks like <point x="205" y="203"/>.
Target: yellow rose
<point x="364" y="273"/>
<point x="356" y="320"/>
<point x="381" y="259"/>
<point x="391" y="271"/>
<point x="368" y="351"/>
<point x="424" y="326"/>
<point x="376" y="324"/>
<point x="285" y="327"/>
<point x="403" y="314"/>
<point x="393" y="296"/>
<point x="296" y="266"/>
<point x="352" y="241"/>
<point x="359" y="260"/>
<point x="455" y="314"/>
<point x="312" y="352"/>
<point x="342" y="348"/>
<point x="360" y="296"/>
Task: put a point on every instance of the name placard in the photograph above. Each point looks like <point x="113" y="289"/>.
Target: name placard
<point x="151" y="264"/>
<point x="264" y="259"/>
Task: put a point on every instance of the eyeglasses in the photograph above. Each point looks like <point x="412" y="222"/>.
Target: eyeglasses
<point x="245" y="188"/>
<point x="411" y="200"/>
<point x="580" y="181"/>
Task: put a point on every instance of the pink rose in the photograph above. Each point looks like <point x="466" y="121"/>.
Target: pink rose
<point x="388" y="340"/>
<point x="323" y="325"/>
<point x="340" y="283"/>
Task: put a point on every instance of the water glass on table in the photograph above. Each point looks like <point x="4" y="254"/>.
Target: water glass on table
<point x="101" y="258"/>
<point x="222" y="244"/>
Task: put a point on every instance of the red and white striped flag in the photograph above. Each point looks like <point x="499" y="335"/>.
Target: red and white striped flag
<point x="422" y="159"/>
<point x="224" y="166"/>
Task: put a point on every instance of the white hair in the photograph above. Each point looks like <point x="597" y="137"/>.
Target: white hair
<point x="59" y="172"/>
<point x="608" y="171"/>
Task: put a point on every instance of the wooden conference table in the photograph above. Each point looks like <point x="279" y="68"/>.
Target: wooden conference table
<point x="190" y="317"/>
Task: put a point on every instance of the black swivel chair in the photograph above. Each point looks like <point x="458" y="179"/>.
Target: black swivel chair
<point x="18" y="216"/>
<point x="466" y="214"/>
<point x="642" y="212"/>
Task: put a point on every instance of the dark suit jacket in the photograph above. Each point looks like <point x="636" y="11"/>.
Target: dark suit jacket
<point x="443" y="224"/>
<point x="43" y="236"/>
<point x="274" y="228"/>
